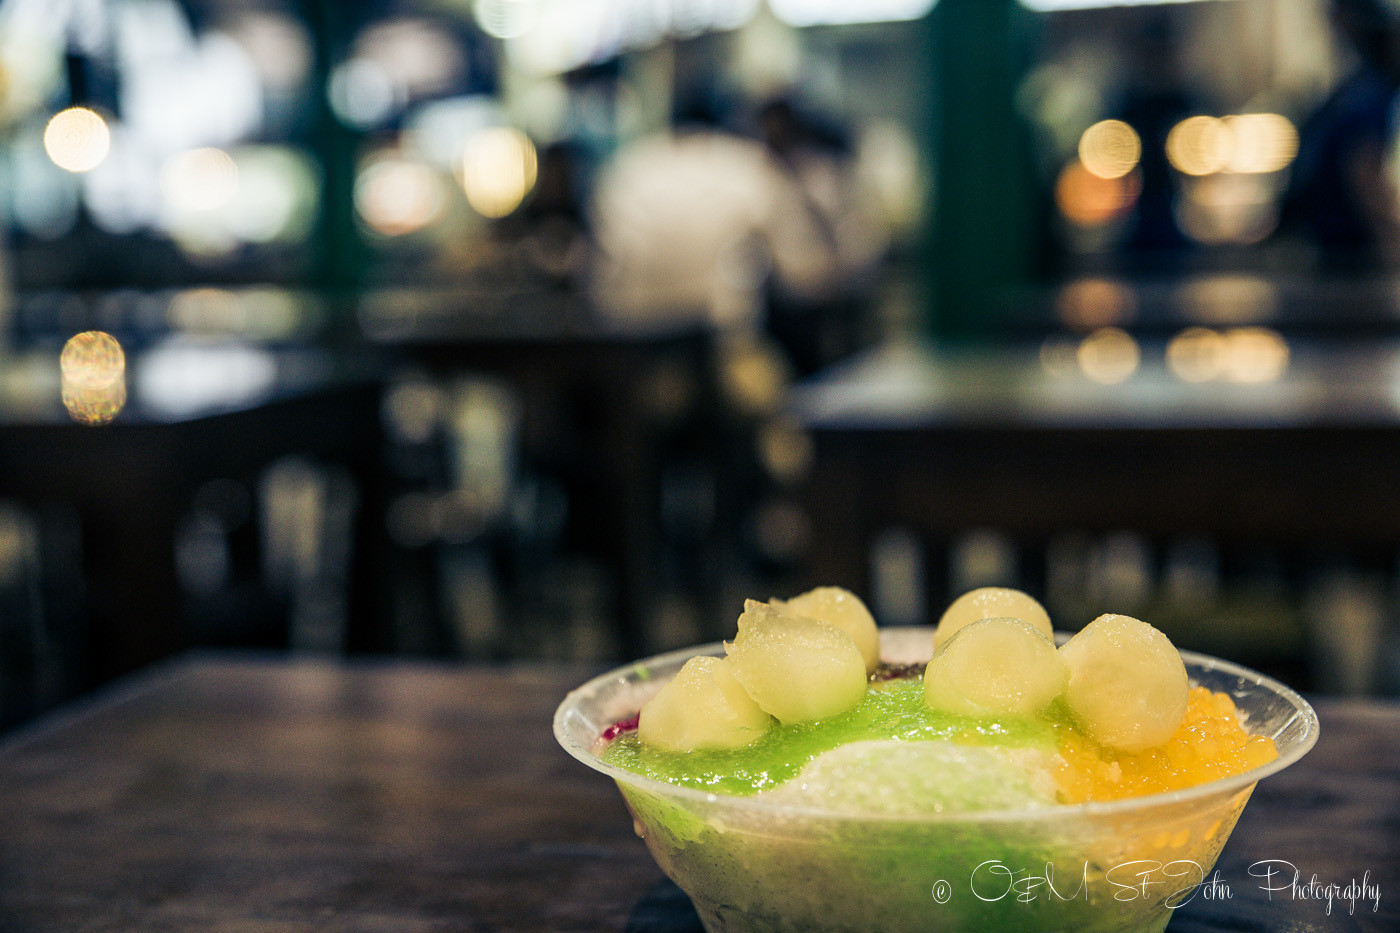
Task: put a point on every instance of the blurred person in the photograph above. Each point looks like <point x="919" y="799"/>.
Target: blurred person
<point x="702" y="221"/>
<point x="677" y="218"/>
<point x="815" y="297"/>
<point x="1344" y="194"/>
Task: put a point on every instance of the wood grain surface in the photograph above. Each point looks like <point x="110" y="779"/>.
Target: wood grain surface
<point x="227" y="793"/>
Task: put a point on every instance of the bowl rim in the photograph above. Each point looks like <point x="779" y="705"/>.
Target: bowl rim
<point x="1219" y="786"/>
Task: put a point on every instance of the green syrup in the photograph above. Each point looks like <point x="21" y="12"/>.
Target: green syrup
<point x="890" y="710"/>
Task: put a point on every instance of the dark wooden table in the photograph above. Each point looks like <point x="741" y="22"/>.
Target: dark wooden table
<point x="227" y="793"/>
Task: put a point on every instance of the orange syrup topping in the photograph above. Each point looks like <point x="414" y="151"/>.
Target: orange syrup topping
<point x="1210" y="744"/>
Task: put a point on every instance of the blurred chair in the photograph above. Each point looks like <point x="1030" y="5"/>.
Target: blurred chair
<point x="42" y="653"/>
<point x="307" y="513"/>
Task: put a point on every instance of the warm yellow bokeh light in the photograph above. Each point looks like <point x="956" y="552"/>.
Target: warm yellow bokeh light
<point x="1090" y="200"/>
<point x="1199" y="145"/>
<point x="77" y="139"/>
<point x="498" y="170"/>
<point x="1110" y="149"/>
<point x="397" y="196"/>
<point x="199" y="180"/>
<point x="92" y="368"/>
<point x="1087" y="303"/>
<point x="1230" y="299"/>
<point x="1245" y="144"/>
<point x="1255" y="355"/>
<point x="1260" y="143"/>
<point x="206" y="310"/>
<point x="1197" y="354"/>
<point x="1228" y="207"/>
<point x="94" y="406"/>
<point x="1246" y="355"/>
<point x="1109" y="355"/>
<point x="92" y="359"/>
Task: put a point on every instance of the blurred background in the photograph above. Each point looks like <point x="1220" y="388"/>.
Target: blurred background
<point x="552" y="329"/>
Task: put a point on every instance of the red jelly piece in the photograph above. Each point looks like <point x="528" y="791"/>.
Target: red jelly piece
<point x="617" y="728"/>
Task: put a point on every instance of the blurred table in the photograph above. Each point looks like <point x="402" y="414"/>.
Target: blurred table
<point x="1290" y="296"/>
<point x="229" y="793"/>
<point x="943" y="443"/>
<point x="196" y="413"/>
<point x="599" y="398"/>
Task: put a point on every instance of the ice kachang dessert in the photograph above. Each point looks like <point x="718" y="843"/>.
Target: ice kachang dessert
<point x="801" y="709"/>
<point x="1007" y="783"/>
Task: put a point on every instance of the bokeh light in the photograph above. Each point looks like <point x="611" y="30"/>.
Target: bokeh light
<point x="1260" y="143"/>
<point x="94" y="406"/>
<point x="397" y="196"/>
<point x="77" y="139"/>
<point x="839" y="12"/>
<point x="1199" y="145"/>
<point x="505" y="19"/>
<point x="887" y="159"/>
<point x="563" y="34"/>
<point x="1091" y="200"/>
<point x="1255" y="355"/>
<point x="278" y="195"/>
<point x="1110" y="149"/>
<point x="199" y="180"/>
<point x="1089" y="303"/>
<point x="498" y="170"/>
<point x="1247" y="143"/>
<point x="361" y="93"/>
<point x="183" y="374"/>
<point x="1244" y="355"/>
<point x="206" y="310"/>
<point x="273" y="313"/>
<point x="180" y="90"/>
<point x="279" y="47"/>
<point x="787" y="451"/>
<point x="92" y="369"/>
<point x="33" y="67"/>
<point x="1230" y="299"/>
<point x="1109" y="355"/>
<point x="413" y="411"/>
<point x="92" y="360"/>
<point x="419" y="54"/>
<point x="1228" y="207"/>
<point x="438" y="131"/>
<point x="1196" y="354"/>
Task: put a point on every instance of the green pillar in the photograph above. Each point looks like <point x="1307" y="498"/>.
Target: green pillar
<point x="341" y="254"/>
<point x="987" y="220"/>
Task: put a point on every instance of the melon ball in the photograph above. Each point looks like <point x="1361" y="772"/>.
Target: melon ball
<point x="995" y="667"/>
<point x="796" y="669"/>
<point x="1127" y="683"/>
<point x="703" y="706"/>
<point x="843" y="609"/>
<point x="991" y="602"/>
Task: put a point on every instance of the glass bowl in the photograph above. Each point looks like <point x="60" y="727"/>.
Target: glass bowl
<point x="758" y="866"/>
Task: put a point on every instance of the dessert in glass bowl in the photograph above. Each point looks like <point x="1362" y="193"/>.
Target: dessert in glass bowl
<point x="819" y="774"/>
